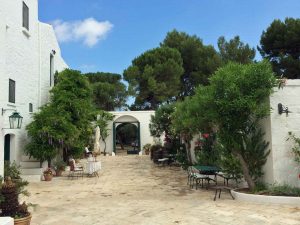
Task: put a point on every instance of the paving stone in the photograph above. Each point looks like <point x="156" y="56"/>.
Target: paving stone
<point x="131" y="190"/>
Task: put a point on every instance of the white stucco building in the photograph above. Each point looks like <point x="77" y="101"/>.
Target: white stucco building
<point x="29" y="57"/>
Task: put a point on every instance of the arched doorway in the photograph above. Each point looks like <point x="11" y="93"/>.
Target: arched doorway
<point x="126" y="132"/>
<point x="7" y="146"/>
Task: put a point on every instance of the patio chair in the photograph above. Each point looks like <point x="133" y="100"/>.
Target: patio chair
<point x="227" y="177"/>
<point x="194" y="175"/>
<point x="75" y="171"/>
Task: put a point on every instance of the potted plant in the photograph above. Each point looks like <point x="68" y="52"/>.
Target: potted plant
<point x="59" y="167"/>
<point x="146" y="148"/>
<point x="9" y="203"/>
<point x="48" y="174"/>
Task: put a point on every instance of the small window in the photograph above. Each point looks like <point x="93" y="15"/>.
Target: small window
<point x="12" y="91"/>
<point x="30" y="107"/>
<point x="25" y="16"/>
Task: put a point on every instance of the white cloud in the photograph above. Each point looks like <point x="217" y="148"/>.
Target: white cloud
<point x="89" y="31"/>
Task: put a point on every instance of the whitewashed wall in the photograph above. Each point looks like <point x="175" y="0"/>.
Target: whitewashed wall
<point x="25" y="58"/>
<point x="281" y="167"/>
<point x="131" y="116"/>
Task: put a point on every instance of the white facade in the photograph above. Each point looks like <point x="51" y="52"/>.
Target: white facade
<point x="141" y="117"/>
<point x="25" y="59"/>
<point x="281" y="167"/>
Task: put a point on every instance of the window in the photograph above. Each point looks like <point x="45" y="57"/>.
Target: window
<point x="51" y="70"/>
<point x="30" y="107"/>
<point x="12" y="91"/>
<point x="25" y="16"/>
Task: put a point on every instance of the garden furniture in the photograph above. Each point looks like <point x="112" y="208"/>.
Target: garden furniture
<point x="92" y="167"/>
<point x="220" y="188"/>
<point x="227" y="177"/>
<point x="194" y="175"/>
<point x="75" y="171"/>
<point x="208" y="171"/>
<point x="163" y="161"/>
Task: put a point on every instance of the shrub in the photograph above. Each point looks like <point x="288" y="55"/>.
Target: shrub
<point x="284" y="190"/>
<point x="12" y="170"/>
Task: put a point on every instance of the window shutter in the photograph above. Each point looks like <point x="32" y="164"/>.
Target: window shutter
<point x="25" y="16"/>
<point x="12" y="91"/>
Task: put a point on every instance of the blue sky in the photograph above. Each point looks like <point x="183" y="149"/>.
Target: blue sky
<point x="106" y="35"/>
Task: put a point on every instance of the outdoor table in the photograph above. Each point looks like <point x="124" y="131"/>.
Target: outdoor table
<point x="92" y="168"/>
<point x="208" y="170"/>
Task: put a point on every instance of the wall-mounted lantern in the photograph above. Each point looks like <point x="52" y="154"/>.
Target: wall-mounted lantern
<point x="15" y="120"/>
<point x="283" y="109"/>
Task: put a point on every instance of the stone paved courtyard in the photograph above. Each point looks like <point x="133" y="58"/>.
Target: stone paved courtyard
<point x="131" y="190"/>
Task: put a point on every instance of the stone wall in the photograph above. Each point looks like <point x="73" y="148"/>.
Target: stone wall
<point x="281" y="167"/>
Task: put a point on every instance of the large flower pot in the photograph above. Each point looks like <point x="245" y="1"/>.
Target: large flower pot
<point x="48" y="177"/>
<point x="23" y="221"/>
<point x="58" y="173"/>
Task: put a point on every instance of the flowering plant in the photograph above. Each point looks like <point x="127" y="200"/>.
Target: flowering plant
<point x="48" y="172"/>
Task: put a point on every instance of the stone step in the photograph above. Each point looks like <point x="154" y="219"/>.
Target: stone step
<point x="31" y="171"/>
<point x="32" y="178"/>
<point x="26" y="165"/>
<point x="25" y="158"/>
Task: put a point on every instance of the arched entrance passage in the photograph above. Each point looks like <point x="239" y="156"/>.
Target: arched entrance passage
<point x="127" y="122"/>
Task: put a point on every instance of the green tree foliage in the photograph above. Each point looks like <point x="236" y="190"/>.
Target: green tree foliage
<point x="235" y="51"/>
<point x="255" y="151"/>
<point x="64" y="123"/>
<point x="232" y="104"/>
<point x="206" y="151"/>
<point x="102" y="122"/>
<point x="296" y="147"/>
<point x="154" y="77"/>
<point x="199" y="60"/>
<point x="161" y="121"/>
<point x="109" y="92"/>
<point x="240" y="93"/>
<point x="280" y="44"/>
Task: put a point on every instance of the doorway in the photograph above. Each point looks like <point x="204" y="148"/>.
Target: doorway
<point x="7" y="147"/>
<point x="126" y="138"/>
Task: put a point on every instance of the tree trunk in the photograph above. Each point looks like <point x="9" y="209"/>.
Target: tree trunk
<point x="245" y="170"/>
<point x="187" y="144"/>
<point x="49" y="163"/>
<point x="104" y="147"/>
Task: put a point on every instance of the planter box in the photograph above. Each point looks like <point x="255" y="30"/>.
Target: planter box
<point x="6" y="221"/>
<point x="265" y="198"/>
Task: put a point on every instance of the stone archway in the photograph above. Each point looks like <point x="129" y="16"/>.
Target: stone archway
<point x="123" y="120"/>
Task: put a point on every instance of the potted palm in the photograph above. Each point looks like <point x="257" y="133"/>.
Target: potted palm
<point x="48" y="174"/>
<point x="146" y="148"/>
<point x="9" y="203"/>
<point x="59" y="167"/>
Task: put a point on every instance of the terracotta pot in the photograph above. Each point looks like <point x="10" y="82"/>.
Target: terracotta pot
<point x="23" y="221"/>
<point x="48" y="177"/>
<point x="58" y="173"/>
